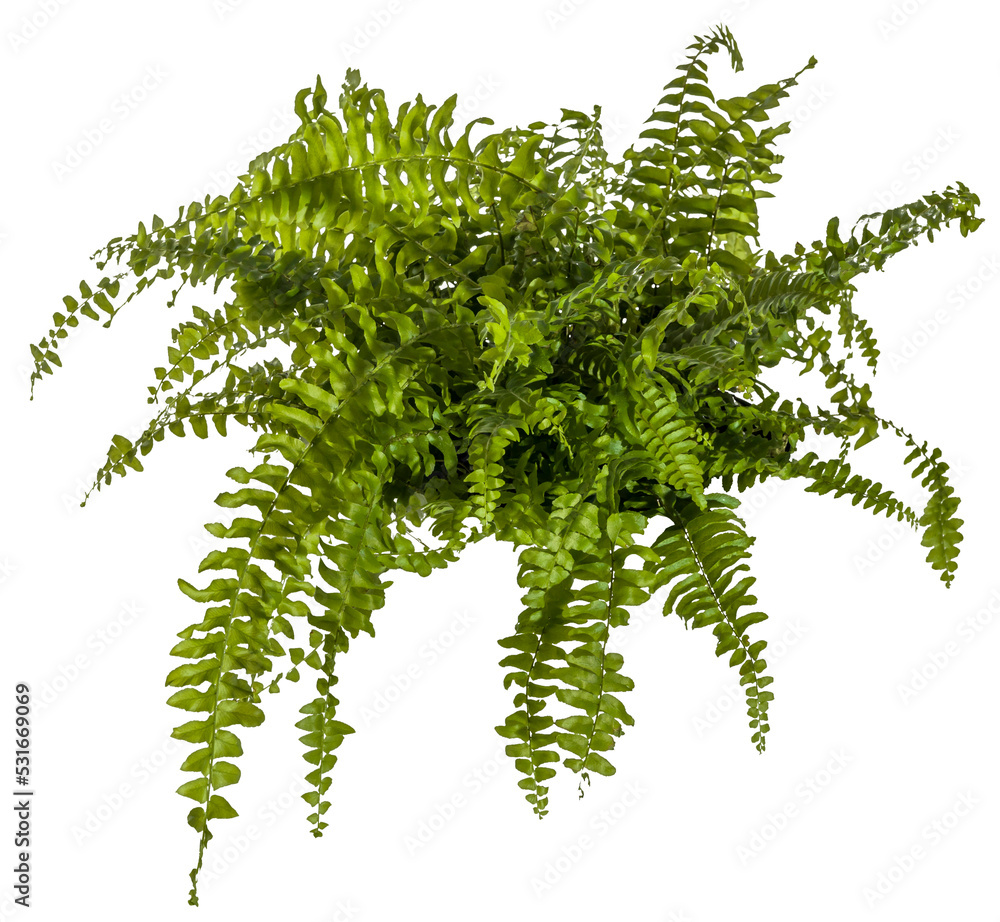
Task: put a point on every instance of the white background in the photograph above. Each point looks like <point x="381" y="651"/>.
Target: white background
<point x="901" y="103"/>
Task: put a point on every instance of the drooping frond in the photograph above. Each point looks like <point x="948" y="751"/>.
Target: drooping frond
<point x="547" y="569"/>
<point x="592" y="678"/>
<point x="835" y="476"/>
<point x="701" y="556"/>
<point x="323" y="732"/>
<point x="938" y="521"/>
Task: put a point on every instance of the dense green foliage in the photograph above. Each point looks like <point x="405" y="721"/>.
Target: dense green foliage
<point x="512" y="337"/>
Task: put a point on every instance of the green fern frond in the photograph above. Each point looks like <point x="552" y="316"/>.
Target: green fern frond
<point x="940" y="525"/>
<point x="701" y="555"/>
<point x="323" y="733"/>
<point x="592" y="678"/>
<point x="547" y="570"/>
<point x="657" y="429"/>
<point x="835" y="476"/>
<point x="490" y="434"/>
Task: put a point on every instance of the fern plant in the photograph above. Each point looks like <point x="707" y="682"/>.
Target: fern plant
<point x="514" y="337"/>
